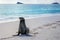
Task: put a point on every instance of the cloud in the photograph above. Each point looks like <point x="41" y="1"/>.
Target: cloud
<point x="8" y="1"/>
<point x="28" y="1"/>
<point x="39" y="1"/>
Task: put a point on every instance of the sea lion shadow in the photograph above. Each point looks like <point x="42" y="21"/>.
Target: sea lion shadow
<point x="25" y="35"/>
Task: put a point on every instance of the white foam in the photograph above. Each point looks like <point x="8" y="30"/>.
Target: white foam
<point x="15" y="18"/>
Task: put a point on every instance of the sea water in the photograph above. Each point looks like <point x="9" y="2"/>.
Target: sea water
<point x="13" y="11"/>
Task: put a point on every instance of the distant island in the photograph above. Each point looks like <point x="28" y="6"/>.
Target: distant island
<point x="55" y="3"/>
<point x="19" y="3"/>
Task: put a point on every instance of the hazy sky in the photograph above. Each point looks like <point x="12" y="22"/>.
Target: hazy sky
<point x="28" y="1"/>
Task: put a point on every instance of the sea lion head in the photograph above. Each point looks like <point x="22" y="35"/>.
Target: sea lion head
<point x="21" y="18"/>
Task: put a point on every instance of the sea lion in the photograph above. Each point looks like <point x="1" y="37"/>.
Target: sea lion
<point x="22" y="27"/>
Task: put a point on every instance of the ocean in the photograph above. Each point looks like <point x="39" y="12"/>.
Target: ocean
<point x="14" y="11"/>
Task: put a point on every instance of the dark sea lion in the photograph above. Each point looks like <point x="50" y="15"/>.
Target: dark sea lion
<point x="22" y="27"/>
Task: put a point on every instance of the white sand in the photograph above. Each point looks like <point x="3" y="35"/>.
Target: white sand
<point x="42" y="28"/>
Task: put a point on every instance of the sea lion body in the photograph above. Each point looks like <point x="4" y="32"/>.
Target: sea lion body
<point x="22" y="27"/>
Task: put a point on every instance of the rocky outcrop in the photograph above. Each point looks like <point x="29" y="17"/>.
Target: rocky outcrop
<point x="55" y="3"/>
<point x="19" y="3"/>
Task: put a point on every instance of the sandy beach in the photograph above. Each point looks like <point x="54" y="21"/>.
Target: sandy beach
<point x="41" y="28"/>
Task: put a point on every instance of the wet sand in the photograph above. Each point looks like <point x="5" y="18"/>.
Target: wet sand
<point x="47" y="32"/>
<point x="47" y="28"/>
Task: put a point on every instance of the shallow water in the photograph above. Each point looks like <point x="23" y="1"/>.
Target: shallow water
<point x="12" y="11"/>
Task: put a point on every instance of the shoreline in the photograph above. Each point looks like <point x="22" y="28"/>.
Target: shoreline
<point x="17" y="19"/>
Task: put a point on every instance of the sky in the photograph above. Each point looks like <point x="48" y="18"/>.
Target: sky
<point x="28" y="1"/>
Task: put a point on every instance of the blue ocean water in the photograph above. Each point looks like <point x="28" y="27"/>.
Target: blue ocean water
<point x="27" y="10"/>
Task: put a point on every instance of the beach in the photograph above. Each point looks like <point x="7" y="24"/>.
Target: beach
<point x="41" y="28"/>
